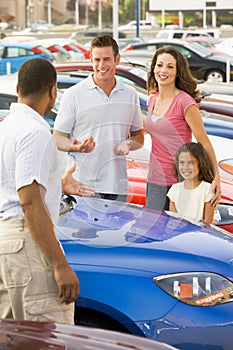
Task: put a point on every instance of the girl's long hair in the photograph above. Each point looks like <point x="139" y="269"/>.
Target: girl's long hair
<point x="184" y="79"/>
<point x="206" y="169"/>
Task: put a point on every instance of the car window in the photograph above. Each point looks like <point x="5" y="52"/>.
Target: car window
<point x="1" y="51"/>
<point x="201" y="50"/>
<point x="178" y="35"/>
<point x="11" y="52"/>
<point x="126" y="80"/>
<point x="149" y="47"/>
<point x="185" y="52"/>
<point x="6" y="100"/>
<point x="139" y="72"/>
<point x="41" y="50"/>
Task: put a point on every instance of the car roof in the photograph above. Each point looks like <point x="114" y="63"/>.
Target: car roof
<point x="26" y="45"/>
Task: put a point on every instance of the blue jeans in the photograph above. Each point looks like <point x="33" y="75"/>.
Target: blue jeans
<point x="156" y="196"/>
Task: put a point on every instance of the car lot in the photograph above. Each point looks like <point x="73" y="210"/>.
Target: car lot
<point x="138" y="160"/>
<point x="203" y="64"/>
<point x="150" y="274"/>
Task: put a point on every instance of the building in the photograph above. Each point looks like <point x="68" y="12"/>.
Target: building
<point x="26" y="12"/>
<point x="205" y="9"/>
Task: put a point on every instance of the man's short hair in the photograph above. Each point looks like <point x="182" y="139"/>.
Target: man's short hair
<point x="105" y="40"/>
<point x="36" y="76"/>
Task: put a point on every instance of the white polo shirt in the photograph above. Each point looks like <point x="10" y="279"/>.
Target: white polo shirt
<point x="85" y="111"/>
<point x="28" y="152"/>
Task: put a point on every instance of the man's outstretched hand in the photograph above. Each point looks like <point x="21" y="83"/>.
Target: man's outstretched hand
<point x="72" y="186"/>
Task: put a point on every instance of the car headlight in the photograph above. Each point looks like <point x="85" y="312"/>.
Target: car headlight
<point x="197" y="288"/>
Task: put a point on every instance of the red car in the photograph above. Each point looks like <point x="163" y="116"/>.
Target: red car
<point x="34" y="335"/>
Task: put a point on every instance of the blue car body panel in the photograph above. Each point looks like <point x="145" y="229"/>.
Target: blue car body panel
<point x="117" y="249"/>
<point x="16" y="61"/>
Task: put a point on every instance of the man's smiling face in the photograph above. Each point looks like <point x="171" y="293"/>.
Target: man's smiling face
<point x="104" y="64"/>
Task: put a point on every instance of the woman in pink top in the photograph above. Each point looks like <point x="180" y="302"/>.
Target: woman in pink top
<point x="173" y="116"/>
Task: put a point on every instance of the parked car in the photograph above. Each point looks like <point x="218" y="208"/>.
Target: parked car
<point x="149" y="274"/>
<point x="143" y="24"/>
<point x="185" y="33"/>
<point x="75" y="53"/>
<point x="205" y="41"/>
<point x="122" y="42"/>
<point x="219" y="89"/>
<point x="59" y="53"/>
<point x="81" y="47"/>
<point x="32" y="335"/>
<point x="203" y="64"/>
<point x="226" y="45"/>
<point x="12" y="55"/>
<point x="8" y="95"/>
<point x="217" y="106"/>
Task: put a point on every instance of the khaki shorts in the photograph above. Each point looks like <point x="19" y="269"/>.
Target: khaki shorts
<point x="28" y="290"/>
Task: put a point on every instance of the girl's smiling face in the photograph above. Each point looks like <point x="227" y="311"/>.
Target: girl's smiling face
<point x="188" y="166"/>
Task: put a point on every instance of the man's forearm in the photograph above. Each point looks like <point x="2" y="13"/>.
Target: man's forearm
<point x="136" y="141"/>
<point x="62" y="140"/>
<point x="40" y="224"/>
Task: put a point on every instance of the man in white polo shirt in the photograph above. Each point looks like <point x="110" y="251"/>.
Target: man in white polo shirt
<point x="36" y="281"/>
<point x="99" y="122"/>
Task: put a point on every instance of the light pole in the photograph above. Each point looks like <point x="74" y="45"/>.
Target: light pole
<point x="49" y="12"/>
<point x="138" y="8"/>
<point x="115" y="19"/>
<point x="77" y="13"/>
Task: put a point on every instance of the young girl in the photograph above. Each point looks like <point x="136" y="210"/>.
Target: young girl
<point x="191" y="197"/>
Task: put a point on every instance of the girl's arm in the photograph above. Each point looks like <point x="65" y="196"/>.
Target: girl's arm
<point x="172" y="206"/>
<point x="208" y="215"/>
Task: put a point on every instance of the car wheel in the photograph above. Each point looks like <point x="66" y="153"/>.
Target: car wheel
<point x="215" y="76"/>
<point x="95" y="319"/>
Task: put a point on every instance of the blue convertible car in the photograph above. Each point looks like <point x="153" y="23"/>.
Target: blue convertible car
<point x="150" y="274"/>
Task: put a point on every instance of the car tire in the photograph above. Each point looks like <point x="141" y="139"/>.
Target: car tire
<point x="215" y="76"/>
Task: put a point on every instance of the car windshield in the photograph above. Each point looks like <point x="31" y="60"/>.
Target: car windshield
<point x="200" y="50"/>
<point x="41" y="50"/>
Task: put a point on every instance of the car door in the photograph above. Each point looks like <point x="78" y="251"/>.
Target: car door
<point x="14" y="56"/>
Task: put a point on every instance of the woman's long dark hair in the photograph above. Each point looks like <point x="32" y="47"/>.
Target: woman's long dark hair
<point x="206" y="169"/>
<point x="184" y="79"/>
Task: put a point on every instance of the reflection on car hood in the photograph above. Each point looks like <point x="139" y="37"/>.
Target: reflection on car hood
<point x="140" y="236"/>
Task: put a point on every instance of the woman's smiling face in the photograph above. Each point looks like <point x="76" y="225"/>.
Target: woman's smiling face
<point x="165" y="70"/>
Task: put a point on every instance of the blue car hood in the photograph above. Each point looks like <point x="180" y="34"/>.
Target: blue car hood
<point x="142" y="238"/>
